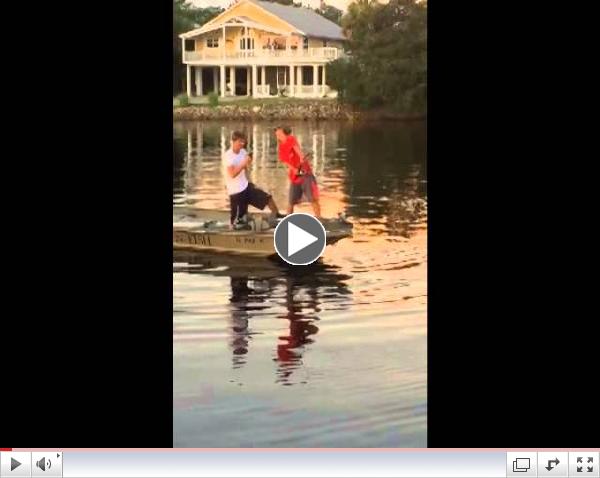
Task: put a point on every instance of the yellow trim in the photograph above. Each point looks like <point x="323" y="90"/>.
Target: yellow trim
<point x="216" y="19"/>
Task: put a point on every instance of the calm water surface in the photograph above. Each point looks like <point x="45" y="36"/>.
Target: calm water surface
<point x="327" y="355"/>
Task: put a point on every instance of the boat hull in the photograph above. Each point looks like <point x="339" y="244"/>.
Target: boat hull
<point x="197" y="235"/>
<point x="230" y="241"/>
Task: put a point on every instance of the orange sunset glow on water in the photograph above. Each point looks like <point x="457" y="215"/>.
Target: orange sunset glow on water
<point x="332" y="354"/>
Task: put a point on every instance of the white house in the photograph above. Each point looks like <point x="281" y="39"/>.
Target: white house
<point x="262" y="49"/>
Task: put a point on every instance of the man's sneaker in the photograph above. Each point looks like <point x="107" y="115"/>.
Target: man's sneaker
<point x="240" y="226"/>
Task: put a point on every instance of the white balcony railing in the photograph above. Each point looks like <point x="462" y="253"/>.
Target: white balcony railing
<point x="263" y="90"/>
<point x="323" y="53"/>
<point x="308" y="91"/>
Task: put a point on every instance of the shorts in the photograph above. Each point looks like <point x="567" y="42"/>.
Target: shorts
<point x="251" y="196"/>
<point x="307" y="188"/>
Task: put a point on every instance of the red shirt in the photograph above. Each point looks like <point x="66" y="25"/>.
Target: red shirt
<point x="288" y="155"/>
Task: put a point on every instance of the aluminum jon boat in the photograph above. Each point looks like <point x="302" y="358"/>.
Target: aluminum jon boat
<point x="206" y="229"/>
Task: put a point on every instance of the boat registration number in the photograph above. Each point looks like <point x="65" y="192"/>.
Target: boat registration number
<point x="197" y="239"/>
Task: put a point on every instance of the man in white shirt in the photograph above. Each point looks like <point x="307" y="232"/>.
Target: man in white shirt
<point x="241" y="192"/>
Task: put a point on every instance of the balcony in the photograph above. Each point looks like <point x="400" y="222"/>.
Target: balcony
<point x="257" y="56"/>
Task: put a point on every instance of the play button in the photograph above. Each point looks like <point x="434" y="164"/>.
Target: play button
<point x="14" y="464"/>
<point x="299" y="239"/>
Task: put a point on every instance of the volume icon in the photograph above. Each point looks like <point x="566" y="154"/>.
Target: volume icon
<point x="43" y="464"/>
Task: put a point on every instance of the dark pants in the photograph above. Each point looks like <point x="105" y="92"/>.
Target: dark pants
<point x="307" y="188"/>
<point x="251" y="196"/>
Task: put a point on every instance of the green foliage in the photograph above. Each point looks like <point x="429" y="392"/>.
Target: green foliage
<point x="387" y="65"/>
<point x="186" y="17"/>
<point x="331" y="13"/>
<point x="183" y="100"/>
<point x="213" y="99"/>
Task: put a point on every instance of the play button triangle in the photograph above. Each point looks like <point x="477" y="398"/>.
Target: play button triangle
<point x="298" y="239"/>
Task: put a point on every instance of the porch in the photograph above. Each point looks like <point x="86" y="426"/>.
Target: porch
<point x="265" y="81"/>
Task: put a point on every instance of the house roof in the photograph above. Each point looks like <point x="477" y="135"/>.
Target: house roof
<point x="309" y="22"/>
<point x="306" y="21"/>
<point x="235" y="21"/>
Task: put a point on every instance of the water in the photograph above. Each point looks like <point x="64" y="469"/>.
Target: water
<point x="328" y="355"/>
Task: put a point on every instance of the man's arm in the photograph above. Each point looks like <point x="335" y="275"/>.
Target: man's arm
<point x="233" y="171"/>
<point x="300" y="154"/>
<point x="299" y="151"/>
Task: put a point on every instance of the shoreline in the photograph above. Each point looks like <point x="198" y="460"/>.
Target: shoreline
<point x="282" y="110"/>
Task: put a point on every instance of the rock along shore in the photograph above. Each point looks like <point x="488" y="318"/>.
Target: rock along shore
<point x="306" y="110"/>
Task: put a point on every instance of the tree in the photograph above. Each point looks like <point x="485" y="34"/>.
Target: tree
<point x="186" y="17"/>
<point x="387" y="65"/>
<point x="330" y="12"/>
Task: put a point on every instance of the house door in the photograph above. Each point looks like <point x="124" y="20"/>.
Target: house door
<point x="282" y="73"/>
<point x="247" y="46"/>
<point x="241" y="81"/>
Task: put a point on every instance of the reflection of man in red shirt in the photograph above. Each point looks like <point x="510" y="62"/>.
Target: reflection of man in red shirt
<point x="302" y="180"/>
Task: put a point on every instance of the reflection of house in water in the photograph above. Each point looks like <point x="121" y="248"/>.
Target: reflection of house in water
<point x="407" y="208"/>
<point x="207" y="142"/>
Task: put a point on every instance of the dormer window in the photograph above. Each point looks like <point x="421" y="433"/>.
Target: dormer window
<point x="212" y="42"/>
<point x="305" y="43"/>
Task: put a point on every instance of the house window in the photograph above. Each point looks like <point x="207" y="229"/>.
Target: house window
<point x="305" y="43"/>
<point x="190" y="45"/>
<point x="324" y="43"/>
<point x="212" y="42"/>
<point x="246" y="43"/>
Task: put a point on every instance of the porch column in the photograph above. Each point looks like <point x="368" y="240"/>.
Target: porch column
<point x="223" y="43"/>
<point x="292" y="89"/>
<point x="232" y="80"/>
<point x="263" y="76"/>
<point x="216" y="79"/>
<point x="248" y="72"/>
<point x="198" y="80"/>
<point x="300" y="80"/>
<point x="222" y="68"/>
<point x="323" y="79"/>
<point x="315" y="79"/>
<point x="188" y="84"/>
<point x="254" y="80"/>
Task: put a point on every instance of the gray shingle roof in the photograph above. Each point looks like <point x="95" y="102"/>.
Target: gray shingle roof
<point x="304" y="19"/>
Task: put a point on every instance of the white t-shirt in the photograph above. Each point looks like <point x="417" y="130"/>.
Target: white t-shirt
<point x="240" y="182"/>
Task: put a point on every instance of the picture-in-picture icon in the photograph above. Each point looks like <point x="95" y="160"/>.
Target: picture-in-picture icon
<point x="521" y="465"/>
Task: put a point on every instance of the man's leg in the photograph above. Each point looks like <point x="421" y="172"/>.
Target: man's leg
<point x="234" y="208"/>
<point x="238" y="205"/>
<point x="272" y="206"/>
<point x="260" y="199"/>
<point x="311" y="191"/>
<point x="316" y="207"/>
<point x="294" y="195"/>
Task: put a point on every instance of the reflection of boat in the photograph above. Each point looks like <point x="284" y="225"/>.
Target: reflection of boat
<point x="248" y="266"/>
<point x="203" y="229"/>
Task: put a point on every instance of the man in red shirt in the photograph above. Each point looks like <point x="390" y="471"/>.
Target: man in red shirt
<point x="302" y="180"/>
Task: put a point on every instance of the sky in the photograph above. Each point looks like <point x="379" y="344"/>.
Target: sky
<point x="341" y="4"/>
